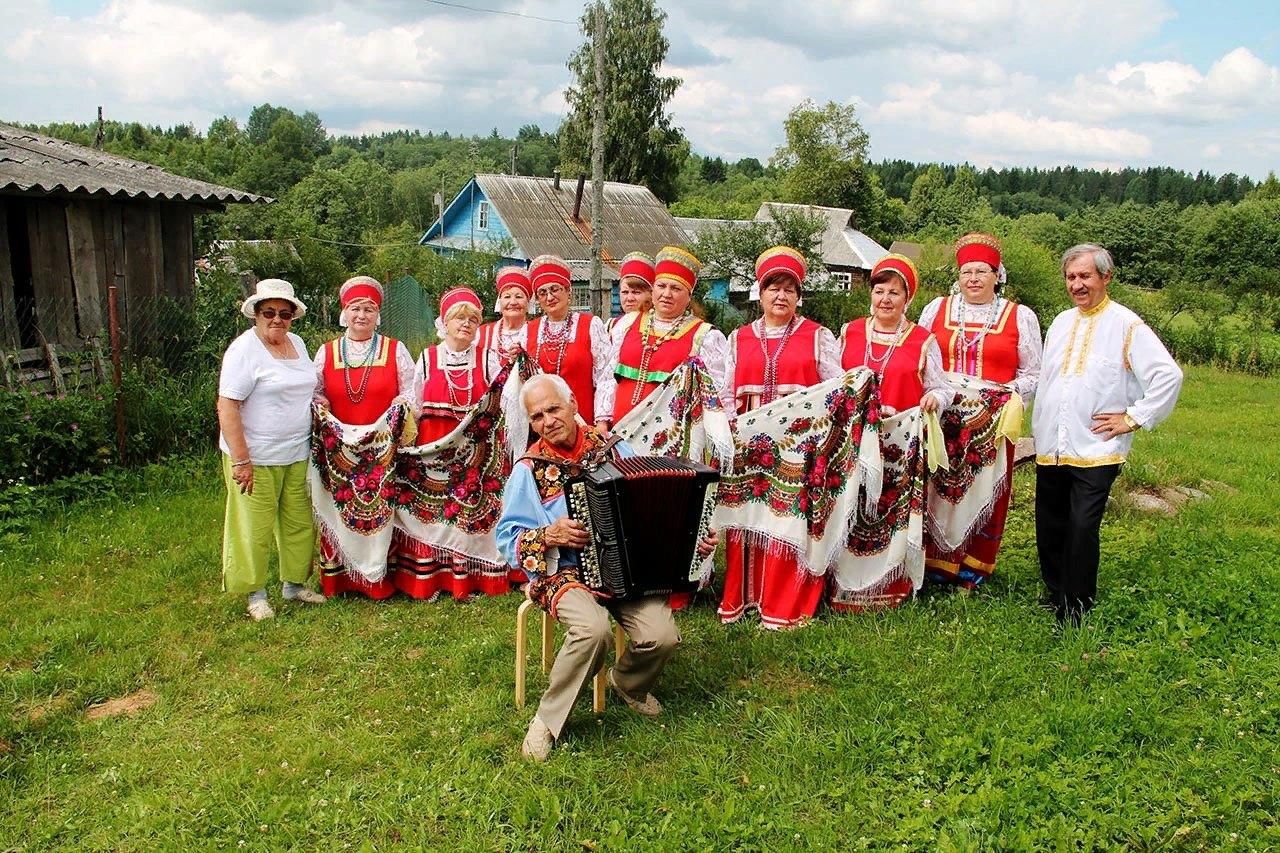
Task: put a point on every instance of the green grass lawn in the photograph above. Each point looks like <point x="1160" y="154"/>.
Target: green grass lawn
<point x="954" y="723"/>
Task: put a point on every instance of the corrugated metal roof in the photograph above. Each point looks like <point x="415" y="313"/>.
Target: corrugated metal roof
<point x="695" y="228"/>
<point x="30" y="162"/>
<point x="540" y="217"/>
<point x="842" y="245"/>
<point x="870" y="251"/>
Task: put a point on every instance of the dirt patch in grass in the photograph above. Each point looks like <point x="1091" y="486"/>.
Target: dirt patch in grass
<point x="6" y="748"/>
<point x="790" y="682"/>
<point x="132" y="704"/>
<point x="47" y="707"/>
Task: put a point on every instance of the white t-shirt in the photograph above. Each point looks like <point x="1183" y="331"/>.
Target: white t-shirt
<point x="275" y="395"/>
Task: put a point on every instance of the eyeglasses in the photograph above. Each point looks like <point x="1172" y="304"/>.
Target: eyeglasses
<point x="271" y="314"/>
<point x="976" y="273"/>
<point x="550" y="290"/>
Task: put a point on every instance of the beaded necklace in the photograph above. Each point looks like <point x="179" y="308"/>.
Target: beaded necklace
<point x="883" y="361"/>
<point x="356" y="395"/>
<point x="964" y="345"/>
<point x="770" y="391"/>
<point x="456" y="387"/>
<point x="559" y="339"/>
<point x="649" y="345"/>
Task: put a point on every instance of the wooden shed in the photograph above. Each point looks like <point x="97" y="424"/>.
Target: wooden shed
<point x="74" y="221"/>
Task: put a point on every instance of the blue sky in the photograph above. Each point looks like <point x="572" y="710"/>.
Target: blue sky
<point x="1103" y="83"/>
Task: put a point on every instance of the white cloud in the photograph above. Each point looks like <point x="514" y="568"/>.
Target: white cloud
<point x="1175" y="91"/>
<point x="1004" y="132"/>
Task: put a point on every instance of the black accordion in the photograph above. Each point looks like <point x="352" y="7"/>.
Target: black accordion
<point x="645" y="516"/>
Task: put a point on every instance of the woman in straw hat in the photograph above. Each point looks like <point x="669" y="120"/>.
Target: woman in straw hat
<point x="264" y="419"/>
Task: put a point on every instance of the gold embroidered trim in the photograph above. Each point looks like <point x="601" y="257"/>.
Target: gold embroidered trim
<point x="1080" y="461"/>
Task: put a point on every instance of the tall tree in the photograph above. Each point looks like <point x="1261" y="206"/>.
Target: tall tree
<point x="641" y="146"/>
<point x="825" y="161"/>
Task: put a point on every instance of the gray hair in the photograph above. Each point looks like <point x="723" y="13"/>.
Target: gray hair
<point x="1102" y="261"/>
<point x="538" y="380"/>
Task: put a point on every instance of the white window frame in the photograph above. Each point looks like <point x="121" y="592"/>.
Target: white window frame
<point x="482" y="216"/>
<point x="842" y="280"/>
<point x="581" y="296"/>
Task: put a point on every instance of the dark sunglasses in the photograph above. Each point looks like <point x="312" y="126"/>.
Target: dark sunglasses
<point x="271" y="314"/>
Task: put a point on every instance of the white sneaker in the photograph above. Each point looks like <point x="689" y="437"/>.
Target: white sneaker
<point x="259" y="610"/>
<point x="305" y="596"/>
<point x="537" y="741"/>
<point x="648" y="706"/>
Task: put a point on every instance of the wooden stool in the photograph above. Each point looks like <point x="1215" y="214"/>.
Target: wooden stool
<point x="548" y="638"/>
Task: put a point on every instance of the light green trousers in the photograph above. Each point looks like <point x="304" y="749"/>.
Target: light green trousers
<point x="278" y="509"/>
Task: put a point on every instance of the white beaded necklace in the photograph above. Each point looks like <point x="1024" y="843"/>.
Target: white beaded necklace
<point x="882" y="361"/>
<point x="964" y="345"/>
<point x="455" y="387"/>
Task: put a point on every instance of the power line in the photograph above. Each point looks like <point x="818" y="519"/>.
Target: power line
<point x="503" y="12"/>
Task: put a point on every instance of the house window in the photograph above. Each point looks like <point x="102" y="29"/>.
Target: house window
<point x="842" y="280"/>
<point x="582" y="297"/>
<point x="483" y="216"/>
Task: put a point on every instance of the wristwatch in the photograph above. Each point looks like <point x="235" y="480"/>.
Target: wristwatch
<point x="1130" y="423"/>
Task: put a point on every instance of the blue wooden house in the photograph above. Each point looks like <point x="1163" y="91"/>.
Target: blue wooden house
<point x="519" y="218"/>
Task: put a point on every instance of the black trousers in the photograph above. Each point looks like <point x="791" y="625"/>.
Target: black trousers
<point x="1069" y="506"/>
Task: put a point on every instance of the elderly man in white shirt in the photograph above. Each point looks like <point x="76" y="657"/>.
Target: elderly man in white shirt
<point x="1104" y="375"/>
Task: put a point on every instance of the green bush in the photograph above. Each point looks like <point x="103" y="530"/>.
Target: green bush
<point x="44" y="437"/>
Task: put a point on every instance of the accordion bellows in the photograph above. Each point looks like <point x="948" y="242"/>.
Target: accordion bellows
<point x="645" y="516"/>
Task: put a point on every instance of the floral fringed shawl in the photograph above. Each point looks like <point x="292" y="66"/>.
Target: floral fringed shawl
<point x="369" y="483"/>
<point x="887" y="543"/>
<point x="802" y="466"/>
<point x="979" y="428"/>
<point x="682" y="418"/>
<point x="352" y="480"/>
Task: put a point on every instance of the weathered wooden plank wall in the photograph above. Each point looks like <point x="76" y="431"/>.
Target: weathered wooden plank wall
<point x="51" y="271"/>
<point x="81" y="247"/>
<point x="85" y="268"/>
<point x="8" y="310"/>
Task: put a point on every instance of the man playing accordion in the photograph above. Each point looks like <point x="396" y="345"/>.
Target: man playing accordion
<point x="536" y="534"/>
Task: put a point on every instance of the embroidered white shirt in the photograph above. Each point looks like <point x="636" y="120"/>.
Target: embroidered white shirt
<point x="1099" y="361"/>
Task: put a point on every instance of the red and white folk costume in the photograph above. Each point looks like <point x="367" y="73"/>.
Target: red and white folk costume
<point x="765" y="363"/>
<point x="576" y="348"/>
<point x="359" y="380"/>
<point x="998" y="341"/>
<point x="647" y="348"/>
<point x="497" y="337"/>
<point x="908" y="364"/>
<point x="636" y="271"/>
<point x="452" y="382"/>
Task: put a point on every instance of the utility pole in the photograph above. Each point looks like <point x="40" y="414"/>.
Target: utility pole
<point x="514" y="148"/>
<point x="601" y="303"/>
<point x="97" y="140"/>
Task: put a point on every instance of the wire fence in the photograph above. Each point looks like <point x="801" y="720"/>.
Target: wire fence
<point x="141" y="385"/>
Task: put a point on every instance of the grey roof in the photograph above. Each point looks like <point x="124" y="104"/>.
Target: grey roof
<point x="910" y="250"/>
<point x="540" y="217"/>
<point x="695" y="228"/>
<point x="842" y="244"/>
<point x="32" y="163"/>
